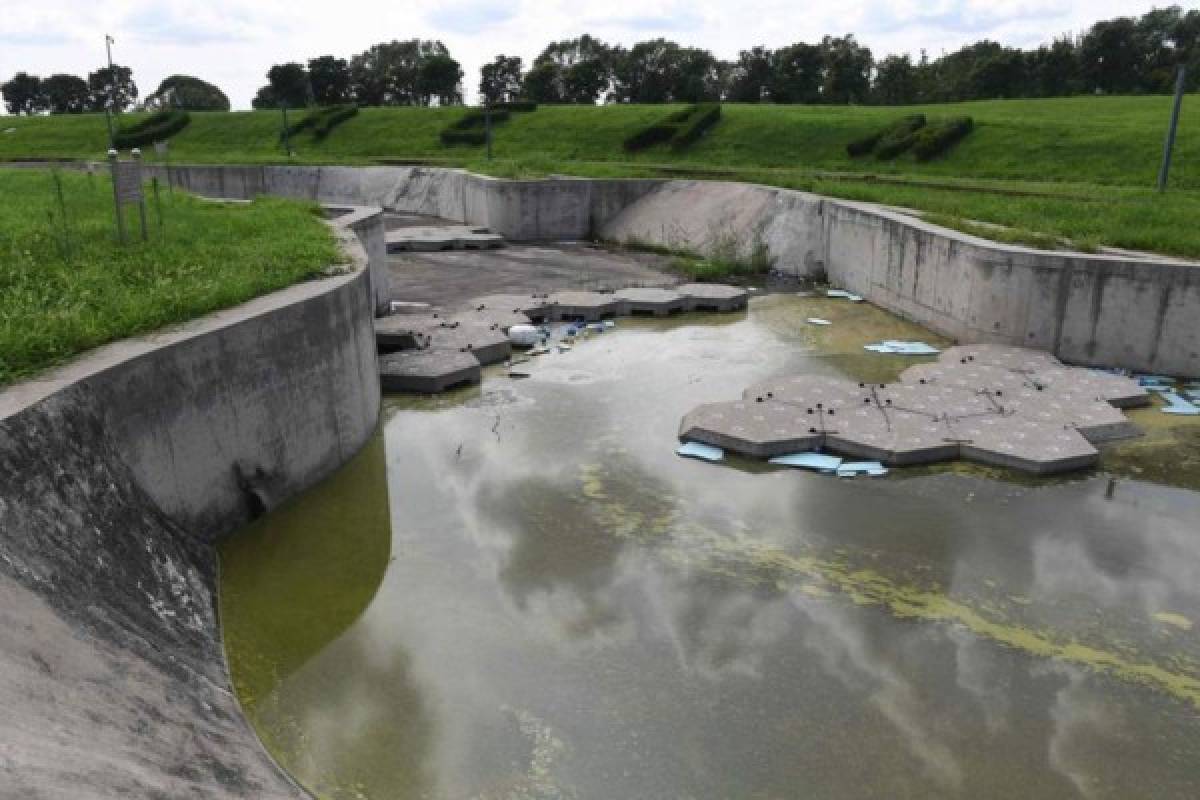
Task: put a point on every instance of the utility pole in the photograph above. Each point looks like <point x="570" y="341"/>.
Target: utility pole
<point x="112" y="79"/>
<point x="1169" y="145"/>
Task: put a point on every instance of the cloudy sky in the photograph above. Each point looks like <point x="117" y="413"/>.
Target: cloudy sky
<point x="233" y="42"/>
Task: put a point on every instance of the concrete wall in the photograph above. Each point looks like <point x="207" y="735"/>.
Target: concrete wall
<point x="117" y="472"/>
<point x="1111" y="310"/>
<point x="1105" y="310"/>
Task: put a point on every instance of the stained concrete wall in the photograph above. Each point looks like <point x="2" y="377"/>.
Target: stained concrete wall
<point x="117" y="473"/>
<point x="1111" y="310"/>
<point x="1107" y="310"/>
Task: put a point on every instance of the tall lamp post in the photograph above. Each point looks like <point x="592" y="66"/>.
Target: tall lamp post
<point x="112" y="80"/>
<point x="1169" y="144"/>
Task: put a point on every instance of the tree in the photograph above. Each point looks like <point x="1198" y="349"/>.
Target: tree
<point x="265" y="98"/>
<point x="389" y="73"/>
<point x="572" y="71"/>
<point x="1110" y="56"/>
<point x="895" y="81"/>
<point x="188" y="93"/>
<point x="23" y="94"/>
<point x="1054" y="69"/>
<point x="500" y="81"/>
<point x="439" y="77"/>
<point x="847" y="70"/>
<point x="750" y="76"/>
<point x="289" y="84"/>
<point x="65" y="94"/>
<point x="795" y="74"/>
<point x="697" y="76"/>
<point x="647" y="72"/>
<point x="329" y="78"/>
<point x="112" y="88"/>
<point x="543" y="83"/>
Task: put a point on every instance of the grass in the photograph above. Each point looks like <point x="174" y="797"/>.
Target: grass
<point x="60" y="296"/>
<point x="1079" y="168"/>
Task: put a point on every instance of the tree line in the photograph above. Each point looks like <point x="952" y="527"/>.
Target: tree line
<point x="106" y="88"/>
<point x="1124" y="55"/>
<point x="416" y="72"/>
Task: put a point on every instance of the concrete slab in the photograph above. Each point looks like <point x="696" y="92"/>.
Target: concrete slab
<point x="758" y="430"/>
<point x="713" y="297"/>
<point x="651" y="302"/>
<point x="427" y="371"/>
<point x="997" y="405"/>
<point x="441" y="237"/>
<point x="585" y="306"/>
<point x="399" y="333"/>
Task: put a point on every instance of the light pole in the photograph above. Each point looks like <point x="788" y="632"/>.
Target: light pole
<point x="1169" y="144"/>
<point x="108" y="109"/>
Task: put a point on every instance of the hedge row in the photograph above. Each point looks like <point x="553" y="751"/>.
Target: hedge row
<point x="471" y="128"/>
<point x="321" y="121"/>
<point x="680" y="128"/>
<point x="937" y="139"/>
<point x="157" y="127"/>
<point x="889" y="138"/>
<point x="453" y="137"/>
<point x="518" y="106"/>
<point x="477" y="119"/>
<point x="707" y="115"/>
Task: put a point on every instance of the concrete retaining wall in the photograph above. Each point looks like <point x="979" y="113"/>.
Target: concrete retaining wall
<point x="1104" y="310"/>
<point x="117" y="472"/>
<point x="1109" y="310"/>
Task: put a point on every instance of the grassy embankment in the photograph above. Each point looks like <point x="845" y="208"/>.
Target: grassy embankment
<point x="1080" y="169"/>
<point x="61" y="294"/>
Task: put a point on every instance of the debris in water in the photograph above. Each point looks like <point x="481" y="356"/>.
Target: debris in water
<point x="818" y="321"/>
<point x="1177" y="405"/>
<point x="524" y="335"/>
<point x="851" y="469"/>
<point x="842" y="294"/>
<point x="902" y="348"/>
<point x="705" y="452"/>
<point x="814" y="461"/>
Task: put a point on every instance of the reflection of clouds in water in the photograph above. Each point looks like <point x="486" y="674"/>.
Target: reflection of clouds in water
<point x="718" y="629"/>
<point x="841" y="641"/>
<point x="977" y="671"/>
<point x="1128" y="557"/>
<point x="1080" y="718"/>
<point x="337" y="717"/>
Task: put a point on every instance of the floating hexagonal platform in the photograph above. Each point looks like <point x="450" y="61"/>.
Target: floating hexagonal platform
<point x="998" y="405"/>
<point x="651" y="302"/>
<point x="713" y="297"/>
<point x="427" y="371"/>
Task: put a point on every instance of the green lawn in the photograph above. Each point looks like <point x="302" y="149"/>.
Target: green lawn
<point x="1097" y="157"/>
<point x="62" y="295"/>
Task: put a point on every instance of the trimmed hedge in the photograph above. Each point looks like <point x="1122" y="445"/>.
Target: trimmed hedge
<point x="706" y="116"/>
<point x="157" y="127"/>
<point x="680" y="128"/>
<point x="471" y="127"/>
<point x="321" y="121"/>
<point x="331" y="118"/>
<point x="516" y="106"/>
<point x="451" y="137"/>
<point x="477" y="119"/>
<point x="893" y="135"/>
<point x="937" y="139"/>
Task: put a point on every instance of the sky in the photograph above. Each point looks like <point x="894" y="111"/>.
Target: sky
<point x="232" y="43"/>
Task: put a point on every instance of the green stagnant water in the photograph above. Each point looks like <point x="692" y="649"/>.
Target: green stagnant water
<point x="520" y="591"/>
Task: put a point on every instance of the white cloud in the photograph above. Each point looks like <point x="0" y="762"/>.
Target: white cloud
<point x="233" y="42"/>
